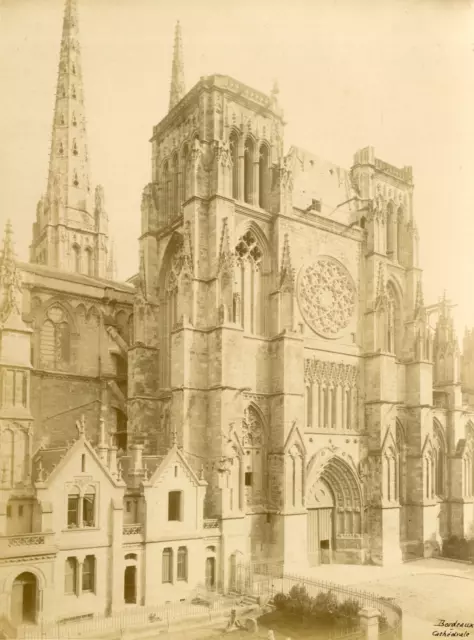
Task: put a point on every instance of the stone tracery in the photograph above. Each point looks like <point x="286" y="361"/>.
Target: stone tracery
<point x="326" y="295"/>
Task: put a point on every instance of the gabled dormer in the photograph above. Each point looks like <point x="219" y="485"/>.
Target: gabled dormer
<point x="79" y="485"/>
<point x="174" y="497"/>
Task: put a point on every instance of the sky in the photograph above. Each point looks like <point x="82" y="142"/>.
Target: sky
<point x="397" y="75"/>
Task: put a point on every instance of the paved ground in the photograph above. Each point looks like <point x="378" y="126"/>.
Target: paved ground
<point x="427" y="590"/>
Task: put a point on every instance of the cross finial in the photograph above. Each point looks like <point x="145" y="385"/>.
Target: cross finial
<point x="174" y="438"/>
<point x="81" y="427"/>
<point x="40" y="472"/>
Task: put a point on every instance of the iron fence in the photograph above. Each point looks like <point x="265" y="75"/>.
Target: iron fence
<point x="199" y="608"/>
<point x="264" y="580"/>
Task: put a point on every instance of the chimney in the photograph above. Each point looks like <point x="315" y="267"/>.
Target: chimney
<point x="137" y="457"/>
<point x="102" y="448"/>
<point x="113" y="461"/>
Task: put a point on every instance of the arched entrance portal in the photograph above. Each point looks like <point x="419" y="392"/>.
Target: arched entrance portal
<point x="334" y="514"/>
<point x="24" y="599"/>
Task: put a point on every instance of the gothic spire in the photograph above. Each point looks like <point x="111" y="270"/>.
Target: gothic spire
<point x="177" y="89"/>
<point x="70" y="232"/>
<point x="68" y="180"/>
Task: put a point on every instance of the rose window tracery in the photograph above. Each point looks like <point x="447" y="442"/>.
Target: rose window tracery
<point x="326" y="296"/>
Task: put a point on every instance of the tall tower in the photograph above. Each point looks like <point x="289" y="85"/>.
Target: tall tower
<point x="15" y="365"/>
<point x="177" y="89"/>
<point x="71" y="228"/>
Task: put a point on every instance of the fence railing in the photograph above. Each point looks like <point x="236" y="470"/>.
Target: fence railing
<point x="264" y="580"/>
<point x="200" y="606"/>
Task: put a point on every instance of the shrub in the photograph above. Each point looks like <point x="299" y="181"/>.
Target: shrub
<point x="323" y="609"/>
<point x="280" y="601"/>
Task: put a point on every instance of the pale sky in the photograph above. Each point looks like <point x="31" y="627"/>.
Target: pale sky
<point x="394" y="74"/>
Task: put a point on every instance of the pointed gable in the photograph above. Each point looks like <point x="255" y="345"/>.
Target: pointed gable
<point x="173" y="457"/>
<point x="51" y="464"/>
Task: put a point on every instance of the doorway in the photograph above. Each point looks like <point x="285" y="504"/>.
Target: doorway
<point x="130" y="585"/>
<point x="210" y="573"/>
<point x="24" y="599"/>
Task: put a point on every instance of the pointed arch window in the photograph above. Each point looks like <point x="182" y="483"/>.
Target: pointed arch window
<point x="249" y="151"/>
<point x="166" y="190"/>
<point x="264" y="176"/>
<point x="77" y="258"/>
<point x="74" y="147"/>
<point x="174" y="186"/>
<point x="73" y="92"/>
<point x="90" y="261"/>
<point x="399" y="231"/>
<point x="55" y="340"/>
<point x="440" y="461"/>
<point x="184" y="173"/>
<point x="393" y="326"/>
<point x="234" y="154"/>
<point x="250" y="283"/>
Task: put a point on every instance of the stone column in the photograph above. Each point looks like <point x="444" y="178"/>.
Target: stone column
<point x="369" y="622"/>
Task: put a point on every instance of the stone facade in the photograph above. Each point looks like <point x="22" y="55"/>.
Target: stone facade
<point x="273" y="360"/>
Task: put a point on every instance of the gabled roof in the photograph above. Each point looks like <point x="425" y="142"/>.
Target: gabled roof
<point x="173" y="454"/>
<point x="48" y="462"/>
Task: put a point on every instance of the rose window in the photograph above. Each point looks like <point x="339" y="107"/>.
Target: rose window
<point x="326" y="296"/>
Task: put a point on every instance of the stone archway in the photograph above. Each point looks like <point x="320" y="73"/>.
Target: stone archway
<point x="333" y="501"/>
<point x="25" y="599"/>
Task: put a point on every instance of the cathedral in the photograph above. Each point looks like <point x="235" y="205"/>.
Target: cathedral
<point x="270" y="386"/>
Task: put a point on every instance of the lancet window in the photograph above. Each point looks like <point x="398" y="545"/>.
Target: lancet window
<point x="250" y="283"/>
<point x="330" y="395"/>
<point x="55" y="347"/>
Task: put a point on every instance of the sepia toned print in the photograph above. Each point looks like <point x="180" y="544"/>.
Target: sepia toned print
<point x="267" y="430"/>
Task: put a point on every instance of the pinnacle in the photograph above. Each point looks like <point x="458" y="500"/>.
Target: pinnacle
<point x="8" y="253"/>
<point x="177" y="89"/>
